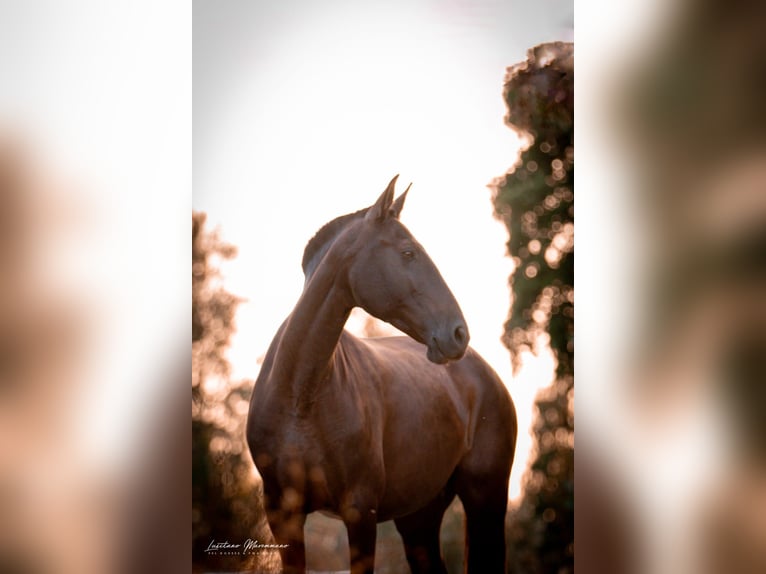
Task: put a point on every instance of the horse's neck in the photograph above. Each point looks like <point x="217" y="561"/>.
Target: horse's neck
<point x="311" y="334"/>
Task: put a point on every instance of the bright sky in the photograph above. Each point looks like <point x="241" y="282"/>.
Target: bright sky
<point x="304" y="112"/>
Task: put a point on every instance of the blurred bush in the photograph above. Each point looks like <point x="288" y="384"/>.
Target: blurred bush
<point x="535" y="200"/>
<point x="227" y="497"/>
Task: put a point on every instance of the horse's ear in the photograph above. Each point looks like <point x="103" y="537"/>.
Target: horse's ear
<point x="382" y="207"/>
<point x="396" y="208"/>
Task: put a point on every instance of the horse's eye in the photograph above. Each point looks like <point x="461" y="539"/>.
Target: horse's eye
<point x="408" y="254"/>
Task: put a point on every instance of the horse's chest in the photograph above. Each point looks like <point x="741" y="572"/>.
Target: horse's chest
<point x="301" y="458"/>
<point x="293" y="439"/>
<point x="303" y="440"/>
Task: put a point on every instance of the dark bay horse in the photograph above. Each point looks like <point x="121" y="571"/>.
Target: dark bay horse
<point x="388" y="428"/>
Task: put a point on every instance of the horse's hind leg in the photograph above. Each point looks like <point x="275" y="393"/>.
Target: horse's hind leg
<point x="482" y="485"/>
<point x="420" y="534"/>
<point x="481" y="479"/>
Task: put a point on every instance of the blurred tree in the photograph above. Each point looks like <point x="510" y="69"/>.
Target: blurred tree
<point x="227" y="500"/>
<point x="535" y="199"/>
<point x="212" y="307"/>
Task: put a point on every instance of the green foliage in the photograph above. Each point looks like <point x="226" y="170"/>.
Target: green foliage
<point x="227" y="501"/>
<point x="535" y="200"/>
<point x="541" y="528"/>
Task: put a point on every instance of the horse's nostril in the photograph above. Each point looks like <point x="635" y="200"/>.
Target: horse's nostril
<point x="460" y="334"/>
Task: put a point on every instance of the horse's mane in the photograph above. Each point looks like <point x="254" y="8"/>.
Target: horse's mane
<point x="320" y="243"/>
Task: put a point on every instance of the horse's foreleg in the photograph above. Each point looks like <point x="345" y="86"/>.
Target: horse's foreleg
<point x="288" y="532"/>
<point x="420" y="535"/>
<point x="294" y="554"/>
<point x="361" y="524"/>
<point x="286" y="524"/>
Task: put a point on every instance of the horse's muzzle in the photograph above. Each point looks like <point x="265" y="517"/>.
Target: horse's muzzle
<point x="449" y="344"/>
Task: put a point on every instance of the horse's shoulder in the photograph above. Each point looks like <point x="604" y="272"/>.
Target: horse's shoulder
<point x="379" y="350"/>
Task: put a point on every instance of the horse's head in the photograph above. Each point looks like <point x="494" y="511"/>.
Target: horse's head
<point x="393" y="278"/>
